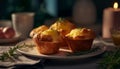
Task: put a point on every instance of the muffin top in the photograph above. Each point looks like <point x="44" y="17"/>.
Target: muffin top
<point x="49" y="35"/>
<point x="63" y="26"/>
<point x="81" y="33"/>
<point x="38" y="30"/>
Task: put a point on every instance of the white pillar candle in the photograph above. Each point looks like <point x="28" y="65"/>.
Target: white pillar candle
<point x="111" y="16"/>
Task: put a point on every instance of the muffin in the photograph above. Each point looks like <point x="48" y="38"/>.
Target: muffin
<point x="38" y="30"/>
<point x="80" y="39"/>
<point x="63" y="26"/>
<point x="47" y="42"/>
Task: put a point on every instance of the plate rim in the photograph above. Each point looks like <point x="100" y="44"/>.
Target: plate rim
<point x="92" y="54"/>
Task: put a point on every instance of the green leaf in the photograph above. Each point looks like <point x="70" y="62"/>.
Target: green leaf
<point x="111" y="60"/>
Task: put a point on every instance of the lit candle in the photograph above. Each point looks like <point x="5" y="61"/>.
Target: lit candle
<point x="111" y="17"/>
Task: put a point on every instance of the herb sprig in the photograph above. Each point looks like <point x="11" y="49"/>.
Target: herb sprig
<point x="111" y="60"/>
<point x="11" y="53"/>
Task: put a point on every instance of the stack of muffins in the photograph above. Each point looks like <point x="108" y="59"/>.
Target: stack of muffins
<point x="62" y="34"/>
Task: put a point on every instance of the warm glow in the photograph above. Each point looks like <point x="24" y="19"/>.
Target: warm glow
<point x="115" y="5"/>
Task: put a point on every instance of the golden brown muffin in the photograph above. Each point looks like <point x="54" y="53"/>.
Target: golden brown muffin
<point x="80" y="39"/>
<point x="38" y="30"/>
<point x="48" y="41"/>
<point x="63" y="26"/>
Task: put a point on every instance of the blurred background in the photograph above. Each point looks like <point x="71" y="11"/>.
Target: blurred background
<point x="49" y="9"/>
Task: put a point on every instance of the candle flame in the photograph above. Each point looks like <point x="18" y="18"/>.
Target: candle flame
<point x="115" y="6"/>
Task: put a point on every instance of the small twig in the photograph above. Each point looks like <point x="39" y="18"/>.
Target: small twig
<point x="10" y="54"/>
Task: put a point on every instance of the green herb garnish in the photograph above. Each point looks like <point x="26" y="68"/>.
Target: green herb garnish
<point x="82" y="52"/>
<point x="61" y="20"/>
<point x="111" y="60"/>
<point x="11" y="53"/>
